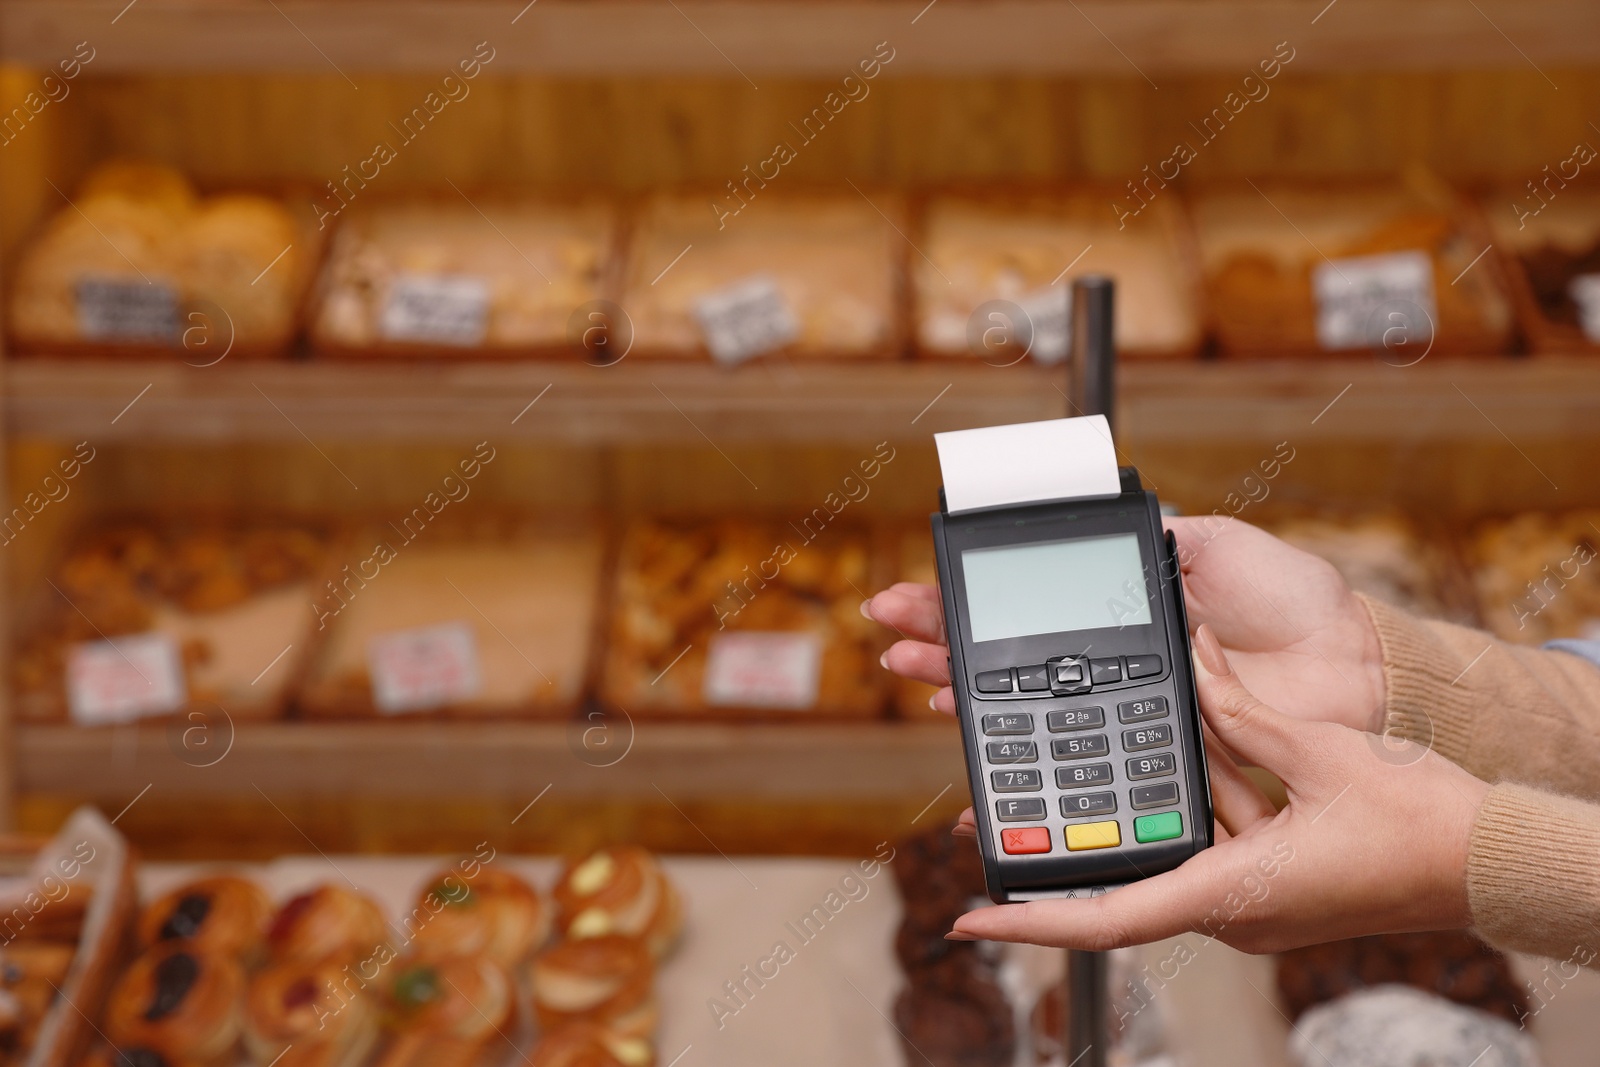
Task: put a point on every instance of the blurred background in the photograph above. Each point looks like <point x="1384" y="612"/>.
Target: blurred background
<point x="431" y="422"/>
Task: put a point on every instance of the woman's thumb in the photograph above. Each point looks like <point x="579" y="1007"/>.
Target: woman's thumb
<point x="1260" y="734"/>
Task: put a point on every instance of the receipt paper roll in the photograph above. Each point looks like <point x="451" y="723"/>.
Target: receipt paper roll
<point x="1028" y="462"/>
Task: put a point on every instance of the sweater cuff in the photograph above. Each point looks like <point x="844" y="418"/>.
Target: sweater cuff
<point x="1533" y="873"/>
<point x="1426" y="698"/>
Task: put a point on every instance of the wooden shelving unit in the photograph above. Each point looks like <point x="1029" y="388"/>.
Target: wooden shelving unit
<point x="640" y="403"/>
<point x="741" y="38"/>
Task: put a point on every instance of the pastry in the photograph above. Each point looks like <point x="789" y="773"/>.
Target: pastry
<point x="230" y="599"/>
<point x="139" y="259"/>
<point x="521" y="267"/>
<point x="608" y="980"/>
<point x="587" y="1045"/>
<point x="447" y="1013"/>
<point x="300" y="1014"/>
<point x="1259" y="265"/>
<point x="1451" y="964"/>
<point x="1536" y="575"/>
<point x="222" y="913"/>
<point x="734" y="617"/>
<point x="183" y="1004"/>
<point x="966" y="1026"/>
<point x="1555" y="242"/>
<point x="620" y="890"/>
<point x="831" y="262"/>
<point x="1019" y="248"/>
<point x="513" y="601"/>
<point x="329" y="921"/>
<point x="31" y="973"/>
<point x="494" y="914"/>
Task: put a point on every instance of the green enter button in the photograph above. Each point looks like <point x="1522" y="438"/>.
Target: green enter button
<point x="1162" y="827"/>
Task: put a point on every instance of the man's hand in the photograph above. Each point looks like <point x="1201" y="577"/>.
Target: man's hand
<point x="1291" y="626"/>
<point x="1367" y="845"/>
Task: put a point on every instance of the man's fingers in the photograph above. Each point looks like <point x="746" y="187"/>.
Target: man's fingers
<point x="1257" y="733"/>
<point x="1169" y="904"/>
<point x="1237" y="801"/>
<point x="910" y="610"/>
<point x="919" y="661"/>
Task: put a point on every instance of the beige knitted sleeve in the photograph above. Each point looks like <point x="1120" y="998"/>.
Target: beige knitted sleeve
<point x="1528" y="720"/>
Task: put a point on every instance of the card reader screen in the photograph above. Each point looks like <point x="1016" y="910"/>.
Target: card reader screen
<point x="1054" y="586"/>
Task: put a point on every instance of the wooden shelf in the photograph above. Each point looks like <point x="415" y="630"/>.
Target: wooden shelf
<point x="1344" y="400"/>
<point x="749" y="38"/>
<point x="681" y="762"/>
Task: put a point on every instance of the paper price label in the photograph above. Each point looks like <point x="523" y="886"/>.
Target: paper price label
<point x="124" y="679"/>
<point x="424" y="668"/>
<point x="446" y="309"/>
<point x="763" y="670"/>
<point x="745" y="320"/>
<point x="126" y="311"/>
<point x="1368" y="301"/>
<point x="1050" y="313"/>
<point x="1585" y="292"/>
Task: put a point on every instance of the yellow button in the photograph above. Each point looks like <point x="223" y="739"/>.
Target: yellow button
<point x="1093" y="835"/>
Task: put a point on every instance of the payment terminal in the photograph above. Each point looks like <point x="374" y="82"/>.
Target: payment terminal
<point x="1069" y="655"/>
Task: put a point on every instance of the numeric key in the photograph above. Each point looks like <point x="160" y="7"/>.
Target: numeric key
<point x="1016" y="781"/>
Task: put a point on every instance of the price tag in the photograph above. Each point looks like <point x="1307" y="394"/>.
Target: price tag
<point x="745" y="320"/>
<point x="446" y="309"/>
<point x="1050" y="312"/>
<point x="1367" y="301"/>
<point x="126" y="311"/>
<point x="424" y="668"/>
<point x="763" y="670"/>
<point x="124" y="679"/>
<point x="1585" y="292"/>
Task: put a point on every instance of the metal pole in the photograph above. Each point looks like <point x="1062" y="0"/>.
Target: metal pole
<point x="1092" y="390"/>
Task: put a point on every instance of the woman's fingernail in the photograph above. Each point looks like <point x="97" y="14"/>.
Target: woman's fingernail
<point x="961" y="829"/>
<point x="866" y="609"/>
<point x="957" y="935"/>
<point x="933" y="702"/>
<point x="1209" y="652"/>
<point x="883" y="660"/>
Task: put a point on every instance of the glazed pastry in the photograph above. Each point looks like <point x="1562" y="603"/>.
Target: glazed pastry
<point x="308" y="1015"/>
<point x="178" y="1002"/>
<point x="494" y="914"/>
<point x="447" y="1013"/>
<point x="1452" y="964"/>
<point x="620" y="890"/>
<point x="608" y="980"/>
<point x="587" y="1045"/>
<point x="223" y="913"/>
<point x="328" y="921"/>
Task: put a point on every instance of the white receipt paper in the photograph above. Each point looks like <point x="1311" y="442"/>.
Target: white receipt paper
<point x="1057" y="459"/>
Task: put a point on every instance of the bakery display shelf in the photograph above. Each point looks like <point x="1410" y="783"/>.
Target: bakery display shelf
<point x="747" y="38"/>
<point x="1335" y="400"/>
<point x="683" y="762"/>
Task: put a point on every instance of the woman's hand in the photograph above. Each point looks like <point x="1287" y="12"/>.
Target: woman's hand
<point x="1367" y="844"/>
<point x="1296" y="633"/>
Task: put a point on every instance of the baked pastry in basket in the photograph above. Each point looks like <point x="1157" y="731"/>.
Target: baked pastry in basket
<point x="494" y="914"/>
<point x="620" y="890"/>
<point x="587" y="1045"/>
<point x="129" y="1056"/>
<point x="222" y="913"/>
<point x="329" y="921"/>
<point x="608" y="980"/>
<point x="300" y="1014"/>
<point x="447" y="1013"/>
<point x="181" y="1003"/>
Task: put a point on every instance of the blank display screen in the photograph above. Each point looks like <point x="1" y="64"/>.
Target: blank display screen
<point x="1055" y="586"/>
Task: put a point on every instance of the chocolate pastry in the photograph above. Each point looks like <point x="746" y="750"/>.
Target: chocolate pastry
<point x="967" y="1026"/>
<point x="1450" y="964"/>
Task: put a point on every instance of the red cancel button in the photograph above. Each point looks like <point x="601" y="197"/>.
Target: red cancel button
<point x="1025" y="841"/>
